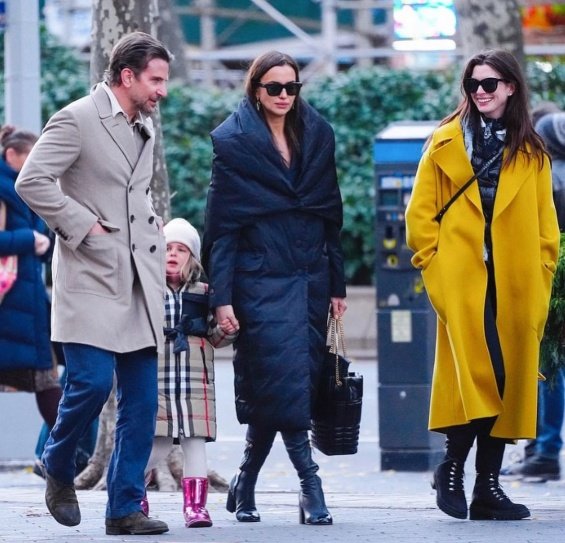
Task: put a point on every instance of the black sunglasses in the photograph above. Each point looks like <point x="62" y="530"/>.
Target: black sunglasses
<point x="274" y="89"/>
<point x="489" y="84"/>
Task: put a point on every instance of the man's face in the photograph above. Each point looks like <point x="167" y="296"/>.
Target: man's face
<point x="146" y="90"/>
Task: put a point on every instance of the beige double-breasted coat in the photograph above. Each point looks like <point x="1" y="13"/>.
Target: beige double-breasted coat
<point x="107" y="289"/>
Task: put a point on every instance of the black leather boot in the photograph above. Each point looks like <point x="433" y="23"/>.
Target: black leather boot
<point x="491" y="503"/>
<point x="241" y="492"/>
<point x="448" y="484"/>
<point x="311" y="504"/>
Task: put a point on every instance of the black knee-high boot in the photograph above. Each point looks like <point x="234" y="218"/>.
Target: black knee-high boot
<point x="311" y="503"/>
<point x="489" y="500"/>
<point x="241" y="493"/>
<point x="448" y="476"/>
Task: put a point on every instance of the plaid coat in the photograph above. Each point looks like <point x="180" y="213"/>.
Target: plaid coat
<point x="187" y="399"/>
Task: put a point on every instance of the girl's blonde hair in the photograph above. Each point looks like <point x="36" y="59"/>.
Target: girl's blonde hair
<point x="191" y="271"/>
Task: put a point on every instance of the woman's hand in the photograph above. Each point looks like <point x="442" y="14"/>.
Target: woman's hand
<point x="225" y="318"/>
<point x="339" y="306"/>
<point x="41" y="243"/>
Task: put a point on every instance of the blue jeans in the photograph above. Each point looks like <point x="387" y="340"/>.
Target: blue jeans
<point x="86" y="445"/>
<point x="550" y="418"/>
<point x="90" y="374"/>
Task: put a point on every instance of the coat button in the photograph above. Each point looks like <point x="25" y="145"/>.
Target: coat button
<point x="151" y="219"/>
<point x="130" y="189"/>
<point x="131" y="218"/>
<point x="133" y="246"/>
<point x="153" y="248"/>
<point x="147" y="190"/>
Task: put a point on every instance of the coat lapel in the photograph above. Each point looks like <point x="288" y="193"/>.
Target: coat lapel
<point x="511" y="180"/>
<point x="144" y="163"/>
<point x="451" y="157"/>
<point x="117" y="127"/>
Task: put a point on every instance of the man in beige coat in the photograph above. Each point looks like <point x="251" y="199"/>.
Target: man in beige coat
<point x="88" y="177"/>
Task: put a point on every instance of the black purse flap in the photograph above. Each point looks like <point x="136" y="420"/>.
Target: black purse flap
<point x="194" y="314"/>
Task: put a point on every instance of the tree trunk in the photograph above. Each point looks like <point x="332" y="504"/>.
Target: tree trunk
<point x="169" y="31"/>
<point x="111" y="19"/>
<point x="490" y="24"/>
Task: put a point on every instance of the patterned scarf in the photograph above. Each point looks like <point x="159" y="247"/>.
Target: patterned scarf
<point x="486" y="143"/>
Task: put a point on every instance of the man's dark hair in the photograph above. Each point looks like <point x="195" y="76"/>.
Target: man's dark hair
<point x="134" y="51"/>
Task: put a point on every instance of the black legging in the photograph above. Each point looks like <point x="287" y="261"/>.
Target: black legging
<point x="48" y="404"/>
<point x="490" y="450"/>
<point x="491" y="332"/>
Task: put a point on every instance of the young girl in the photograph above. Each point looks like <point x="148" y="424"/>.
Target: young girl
<point x="187" y="410"/>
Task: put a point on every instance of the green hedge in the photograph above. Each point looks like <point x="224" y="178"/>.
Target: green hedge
<point x="358" y="103"/>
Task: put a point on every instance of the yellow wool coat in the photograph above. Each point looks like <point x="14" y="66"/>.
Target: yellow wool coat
<point x="525" y="238"/>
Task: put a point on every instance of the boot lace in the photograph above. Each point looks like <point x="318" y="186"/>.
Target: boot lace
<point x="496" y="489"/>
<point x="455" y="477"/>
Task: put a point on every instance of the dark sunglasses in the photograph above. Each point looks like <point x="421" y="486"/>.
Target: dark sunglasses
<point x="274" y="89"/>
<point x="490" y="84"/>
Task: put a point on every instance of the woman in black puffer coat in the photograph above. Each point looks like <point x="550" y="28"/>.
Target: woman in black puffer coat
<point x="274" y="261"/>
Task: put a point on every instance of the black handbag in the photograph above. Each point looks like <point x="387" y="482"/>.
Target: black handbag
<point x="336" y="416"/>
<point x="194" y="314"/>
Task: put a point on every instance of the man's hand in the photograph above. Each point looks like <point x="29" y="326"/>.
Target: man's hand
<point x="97" y="230"/>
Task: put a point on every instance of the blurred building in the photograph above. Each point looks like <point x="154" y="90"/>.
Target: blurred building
<point x="222" y="36"/>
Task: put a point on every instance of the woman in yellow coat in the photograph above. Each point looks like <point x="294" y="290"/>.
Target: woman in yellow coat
<point x="487" y="263"/>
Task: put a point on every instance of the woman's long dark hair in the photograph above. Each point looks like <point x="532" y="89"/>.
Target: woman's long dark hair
<point x="20" y="140"/>
<point x="520" y="132"/>
<point x="259" y="67"/>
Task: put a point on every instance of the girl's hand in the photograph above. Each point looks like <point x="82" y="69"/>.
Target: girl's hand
<point x="226" y="320"/>
<point x="339" y="306"/>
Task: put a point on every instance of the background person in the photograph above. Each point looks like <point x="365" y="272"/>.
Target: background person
<point x="187" y="396"/>
<point x="26" y="357"/>
<point x="274" y="260"/>
<point x="108" y="274"/>
<point x="491" y="295"/>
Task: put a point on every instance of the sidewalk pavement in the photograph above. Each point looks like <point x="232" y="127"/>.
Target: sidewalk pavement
<point x="368" y="505"/>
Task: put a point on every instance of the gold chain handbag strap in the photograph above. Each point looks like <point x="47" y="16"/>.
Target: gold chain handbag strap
<point x="337" y="337"/>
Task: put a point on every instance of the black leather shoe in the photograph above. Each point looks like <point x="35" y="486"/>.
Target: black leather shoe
<point x="61" y="500"/>
<point x="448" y="484"/>
<point x="541" y="469"/>
<point x="135" y="524"/>
<point x="241" y="497"/>
<point x="312" y="508"/>
<point x="491" y="503"/>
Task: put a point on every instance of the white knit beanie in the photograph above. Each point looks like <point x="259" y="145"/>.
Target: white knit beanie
<point x="181" y="231"/>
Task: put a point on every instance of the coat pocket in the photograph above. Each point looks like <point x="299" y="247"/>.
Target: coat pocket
<point x="94" y="267"/>
<point x="247" y="261"/>
<point x="431" y="276"/>
<point x="547" y="275"/>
